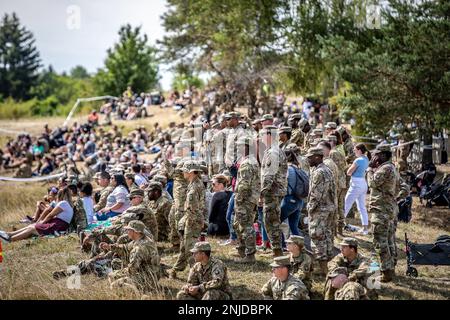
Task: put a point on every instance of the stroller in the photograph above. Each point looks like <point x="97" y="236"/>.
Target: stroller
<point x="433" y="254"/>
<point x="437" y="193"/>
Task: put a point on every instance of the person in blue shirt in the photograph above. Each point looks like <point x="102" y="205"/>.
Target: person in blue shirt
<point x="358" y="185"/>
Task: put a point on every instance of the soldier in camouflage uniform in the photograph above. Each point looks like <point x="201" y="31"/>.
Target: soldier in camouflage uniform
<point x="285" y="134"/>
<point x="334" y="169"/>
<point x="273" y="186"/>
<point x="140" y="257"/>
<point x="220" y="145"/>
<point x="208" y="278"/>
<point x="307" y="130"/>
<point x="179" y="196"/>
<point x="161" y="207"/>
<point x="301" y="260"/>
<point x="114" y="233"/>
<point x="297" y="137"/>
<point x="283" y="285"/>
<point x="246" y="200"/>
<point x="194" y="218"/>
<point x="348" y="274"/>
<point x="79" y="220"/>
<point x="321" y="206"/>
<point x="341" y="185"/>
<point x="103" y="181"/>
<point x="383" y="180"/>
<point x="162" y="179"/>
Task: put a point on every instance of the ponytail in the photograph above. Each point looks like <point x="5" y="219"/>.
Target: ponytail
<point x="362" y="147"/>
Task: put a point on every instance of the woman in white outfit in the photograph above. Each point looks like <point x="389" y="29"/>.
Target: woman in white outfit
<point x="358" y="185"/>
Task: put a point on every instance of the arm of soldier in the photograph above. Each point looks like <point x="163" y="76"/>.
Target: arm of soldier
<point x="377" y="178"/>
<point x="296" y="292"/>
<point x="360" y="273"/>
<point x="403" y="190"/>
<point x="268" y="174"/>
<point x="267" y="291"/>
<point x="121" y="249"/>
<point x="101" y="202"/>
<point x="218" y="275"/>
<point x="304" y="269"/>
<point x="315" y="194"/>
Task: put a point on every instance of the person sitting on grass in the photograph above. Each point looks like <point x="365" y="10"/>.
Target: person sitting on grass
<point x="57" y="220"/>
<point x="117" y="201"/>
<point x="45" y="206"/>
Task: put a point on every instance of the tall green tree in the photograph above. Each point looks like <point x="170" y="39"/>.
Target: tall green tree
<point x="19" y="59"/>
<point x="131" y="62"/>
<point x="404" y="74"/>
<point x="79" y="72"/>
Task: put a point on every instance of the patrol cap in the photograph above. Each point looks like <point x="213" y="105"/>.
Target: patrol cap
<point x="256" y="121"/>
<point x="160" y="178"/>
<point x="331" y="125"/>
<point x="302" y="123"/>
<point x="234" y="114"/>
<point x="298" y="240"/>
<point x="314" y="151"/>
<point x="348" y="241"/>
<point x="283" y="261"/>
<point x="317" y="132"/>
<point x="154" y="185"/>
<point x="266" y="117"/>
<point x="191" y="166"/>
<point x="291" y="147"/>
<point x="331" y="138"/>
<point x="96" y="175"/>
<point x="201" y="246"/>
<point x="268" y="129"/>
<point x="382" y="148"/>
<point x="284" y="130"/>
<point x="226" y="116"/>
<point x="129" y="175"/>
<point x="295" y="116"/>
<point x="136" y="193"/>
<point x="135" y="225"/>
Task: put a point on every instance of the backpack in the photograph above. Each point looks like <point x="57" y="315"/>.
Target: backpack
<point x="301" y="188"/>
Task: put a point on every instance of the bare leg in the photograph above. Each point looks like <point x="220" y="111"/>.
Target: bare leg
<point x="44" y="214"/>
<point x="25" y="234"/>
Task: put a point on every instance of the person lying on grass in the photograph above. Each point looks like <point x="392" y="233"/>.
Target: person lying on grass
<point x="57" y="220"/>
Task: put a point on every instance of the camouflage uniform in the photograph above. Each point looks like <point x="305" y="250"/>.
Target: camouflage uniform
<point x="341" y="185"/>
<point x="298" y="137"/>
<point x="24" y="171"/>
<point x="321" y="206"/>
<point x="357" y="272"/>
<point x="273" y="189"/>
<point x="245" y="201"/>
<point x="335" y="171"/>
<point x="161" y="209"/>
<point x="384" y="186"/>
<point x="194" y="220"/>
<point x="219" y="149"/>
<point x="291" y="289"/>
<point x="143" y="265"/>
<point x="212" y="280"/>
<point x="302" y="267"/>
<point x="79" y="219"/>
<point x="104" y="193"/>
<point x="179" y="197"/>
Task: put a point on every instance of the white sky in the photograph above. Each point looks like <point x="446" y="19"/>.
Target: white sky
<point x="100" y="21"/>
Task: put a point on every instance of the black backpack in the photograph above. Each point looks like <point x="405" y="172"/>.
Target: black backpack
<point x="301" y="188"/>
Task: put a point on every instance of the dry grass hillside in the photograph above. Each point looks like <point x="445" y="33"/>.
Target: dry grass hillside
<point x="26" y="271"/>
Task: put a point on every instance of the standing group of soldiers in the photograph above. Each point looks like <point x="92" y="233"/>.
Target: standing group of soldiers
<point x="256" y="157"/>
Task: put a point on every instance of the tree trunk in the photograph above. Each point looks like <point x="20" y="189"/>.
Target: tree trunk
<point x="427" y="156"/>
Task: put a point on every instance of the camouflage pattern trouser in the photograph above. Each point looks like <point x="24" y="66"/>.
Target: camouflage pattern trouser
<point x="244" y="215"/>
<point x="212" y="294"/>
<point x="321" y="234"/>
<point x="191" y="235"/>
<point x="339" y="217"/>
<point x="391" y="241"/>
<point x="163" y="226"/>
<point x="350" y="291"/>
<point x="174" y="236"/>
<point x="383" y="235"/>
<point x="272" y="213"/>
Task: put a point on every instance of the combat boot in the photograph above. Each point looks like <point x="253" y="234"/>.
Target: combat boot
<point x="247" y="259"/>
<point x="240" y="253"/>
<point x="59" y="274"/>
<point x="277" y="252"/>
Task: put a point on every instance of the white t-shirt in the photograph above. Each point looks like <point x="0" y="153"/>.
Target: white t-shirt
<point x="88" y="205"/>
<point x="119" y="194"/>
<point x="139" y="179"/>
<point x="67" y="211"/>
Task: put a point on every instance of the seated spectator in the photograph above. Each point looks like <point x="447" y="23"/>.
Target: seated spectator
<point x="217" y="213"/>
<point x="88" y="203"/>
<point x="44" y="206"/>
<point x="117" y="202"/>
<point x="57" y="220"/>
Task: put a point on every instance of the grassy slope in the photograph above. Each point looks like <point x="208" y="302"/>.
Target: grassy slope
<point x="26" y="270"/>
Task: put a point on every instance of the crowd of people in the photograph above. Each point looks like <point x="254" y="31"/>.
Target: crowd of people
<point x="281" y="179"/>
